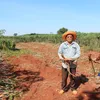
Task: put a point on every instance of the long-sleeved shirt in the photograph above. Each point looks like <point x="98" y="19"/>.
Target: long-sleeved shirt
<point x="69" y="51"/>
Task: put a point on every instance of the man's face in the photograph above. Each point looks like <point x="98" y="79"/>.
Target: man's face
<point x="69" y="38"/>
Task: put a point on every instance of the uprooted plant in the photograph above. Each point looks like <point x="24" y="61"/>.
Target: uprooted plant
<point x="14" y="83"/>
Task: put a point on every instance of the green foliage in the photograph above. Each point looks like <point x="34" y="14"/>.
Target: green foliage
<point x="7" y="44"/>
<point x="16" y="52"/>
<point x="2" y="31"/>
<point x="62" y="30"/>
<point x="52" y="38"/>
<point x="8" y="86"/>
<point x="91" y="41"/>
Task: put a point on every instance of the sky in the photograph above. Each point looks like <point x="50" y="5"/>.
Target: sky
<point x="48" y="16"/>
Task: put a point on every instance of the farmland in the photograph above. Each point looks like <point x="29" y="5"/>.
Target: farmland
<point x="33" y="62"/>
<point x="84" y="39"/>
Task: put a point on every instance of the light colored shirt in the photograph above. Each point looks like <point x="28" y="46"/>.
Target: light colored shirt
<point x="69" y="51"/>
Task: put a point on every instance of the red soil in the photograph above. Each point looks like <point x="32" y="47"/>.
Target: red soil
<point x="45" y="66"/>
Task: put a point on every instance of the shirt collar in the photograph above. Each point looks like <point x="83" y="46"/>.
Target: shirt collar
<point x="66" y="43"/>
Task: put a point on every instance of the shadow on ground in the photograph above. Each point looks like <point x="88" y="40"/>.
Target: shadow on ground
<point x="26" y="78"/>
<point x="90" y="95"/>
<point x="82" y="79"/>
<point x="20" y="80"/>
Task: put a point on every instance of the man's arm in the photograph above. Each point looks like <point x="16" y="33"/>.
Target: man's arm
<point x="60" y="56"/>
<point x="60" y="52"/>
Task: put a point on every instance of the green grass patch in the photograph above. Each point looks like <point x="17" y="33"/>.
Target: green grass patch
<point x="16" y="53"/>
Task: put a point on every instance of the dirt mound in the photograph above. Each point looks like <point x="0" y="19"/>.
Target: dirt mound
<point x="26" y="62"/>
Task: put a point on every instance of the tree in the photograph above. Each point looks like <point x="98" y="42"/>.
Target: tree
<point x="2" y="31"/>
<point x="15" y="34"/>
<point x="32" y="33"/>
<point x="62" y="30"/>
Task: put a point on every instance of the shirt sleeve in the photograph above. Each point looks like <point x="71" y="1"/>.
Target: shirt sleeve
<point x="60" y="51"/>
<point x="77" y="55"/>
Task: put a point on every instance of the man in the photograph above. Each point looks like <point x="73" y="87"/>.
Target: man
<point x="68" y="53"/>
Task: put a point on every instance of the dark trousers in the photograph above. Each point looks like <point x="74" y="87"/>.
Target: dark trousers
<point x="65" y="73"/>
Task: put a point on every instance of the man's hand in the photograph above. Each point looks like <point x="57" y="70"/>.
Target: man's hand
<point x="67" y="59"/>
<point x="61" y="59"/>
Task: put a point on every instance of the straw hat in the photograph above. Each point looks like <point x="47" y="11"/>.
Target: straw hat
<point x="69" y="33"/>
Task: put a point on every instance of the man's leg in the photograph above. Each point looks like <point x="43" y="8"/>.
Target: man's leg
<point x="72" y="80"/>
<point x="64" y="79"/>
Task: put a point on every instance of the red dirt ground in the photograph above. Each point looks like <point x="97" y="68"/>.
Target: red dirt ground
<point x="45" y="64"/>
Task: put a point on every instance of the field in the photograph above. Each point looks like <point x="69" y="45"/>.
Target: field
<point x="90" y="41"/>
<point x="39" y="73"/>
<point x="31" y="70"/>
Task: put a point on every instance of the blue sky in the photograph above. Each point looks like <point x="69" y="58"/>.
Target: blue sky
<point x="45" y="16"/>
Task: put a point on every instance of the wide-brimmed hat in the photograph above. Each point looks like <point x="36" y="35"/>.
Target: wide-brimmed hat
<point x="69" y="33"/>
